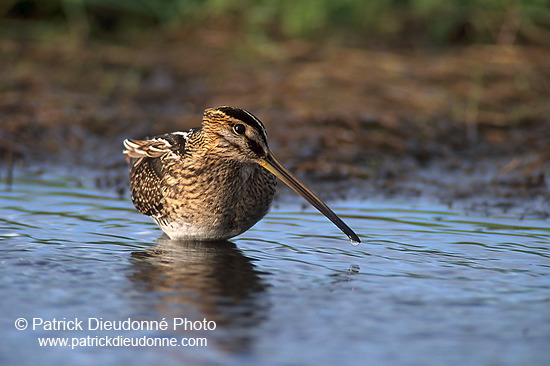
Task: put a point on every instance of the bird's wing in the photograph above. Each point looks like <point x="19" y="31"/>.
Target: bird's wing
<point x="148" y="161"/>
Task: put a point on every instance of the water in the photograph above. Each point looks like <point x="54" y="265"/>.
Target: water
<point x="428" y="285"/>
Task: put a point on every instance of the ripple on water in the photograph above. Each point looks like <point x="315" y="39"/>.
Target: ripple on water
<point x="428" y="285"/>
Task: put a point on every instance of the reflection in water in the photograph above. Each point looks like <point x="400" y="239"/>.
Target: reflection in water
<point x="212" y="280"/>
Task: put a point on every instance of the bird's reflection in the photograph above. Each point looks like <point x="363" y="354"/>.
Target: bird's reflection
<point x="211" y="280"/>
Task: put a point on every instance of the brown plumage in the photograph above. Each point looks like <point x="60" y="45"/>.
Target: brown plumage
<point x="212" y="182"/>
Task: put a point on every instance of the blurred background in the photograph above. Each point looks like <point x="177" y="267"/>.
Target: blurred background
<point x="353" y="92"/>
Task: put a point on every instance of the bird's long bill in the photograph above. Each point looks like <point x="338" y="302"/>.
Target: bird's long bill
<point x="274" y="166"/>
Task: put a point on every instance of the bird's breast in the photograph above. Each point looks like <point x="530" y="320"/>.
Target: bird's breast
<point x="217" y="202"/>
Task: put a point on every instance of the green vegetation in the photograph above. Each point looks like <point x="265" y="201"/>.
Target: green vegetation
<point x="399" y="21"/>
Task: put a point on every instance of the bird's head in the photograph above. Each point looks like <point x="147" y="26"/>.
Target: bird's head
<point x="235" y="134"/>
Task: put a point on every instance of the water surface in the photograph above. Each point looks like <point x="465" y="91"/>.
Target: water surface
<point x="429" y="285"/>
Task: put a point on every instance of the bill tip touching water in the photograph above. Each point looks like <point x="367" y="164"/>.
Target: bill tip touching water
<point x="212" y="182"/>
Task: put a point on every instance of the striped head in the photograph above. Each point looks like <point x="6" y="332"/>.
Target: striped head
<point x="237" y="134"/>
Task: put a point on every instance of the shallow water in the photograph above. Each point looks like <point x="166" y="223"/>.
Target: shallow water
<point x="428" y="286"/>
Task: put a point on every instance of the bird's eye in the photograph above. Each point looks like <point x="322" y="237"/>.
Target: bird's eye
<point x="239" y="129"/>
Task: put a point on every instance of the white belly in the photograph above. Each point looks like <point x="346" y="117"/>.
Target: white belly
<point x="178" y="230"/>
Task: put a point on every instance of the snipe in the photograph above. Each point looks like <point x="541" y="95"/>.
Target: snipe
<point x="212" y="182"/>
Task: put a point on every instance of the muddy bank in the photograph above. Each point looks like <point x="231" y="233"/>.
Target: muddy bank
<point x="468" y="125"/>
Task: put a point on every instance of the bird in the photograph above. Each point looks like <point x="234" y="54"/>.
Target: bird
<point x="212" y="182"/>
